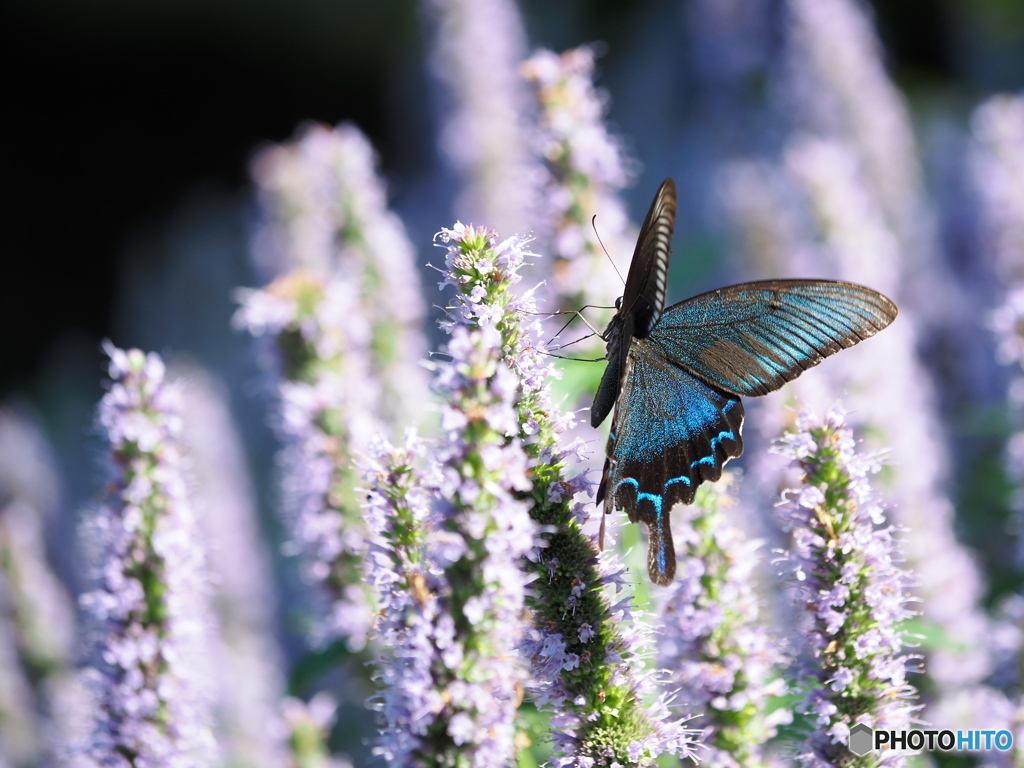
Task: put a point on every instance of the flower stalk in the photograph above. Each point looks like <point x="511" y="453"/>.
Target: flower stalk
<point x="845" y="560"/>
<point x="148" y="670"/>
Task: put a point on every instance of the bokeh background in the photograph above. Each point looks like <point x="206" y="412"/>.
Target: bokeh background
<point x="125" y="120"/>
<point x="131" y="127"/>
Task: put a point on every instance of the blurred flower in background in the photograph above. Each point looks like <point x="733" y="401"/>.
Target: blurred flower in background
<point x="297" y="553"/>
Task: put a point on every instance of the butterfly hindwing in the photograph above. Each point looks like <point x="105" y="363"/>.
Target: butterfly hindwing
<point x="671" y="432"/>
<point x="752" y="338"/>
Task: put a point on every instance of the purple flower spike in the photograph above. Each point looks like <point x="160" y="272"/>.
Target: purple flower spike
<point x="448" y="572"/>
<point x="846" y="566"/>
<point x="328" y="408"/>
<point x="325" y="215"/>
<point x="714" y="643"/>
<point x="249" y="671"/>
<point x="586" y="647"/>
<point x="997" y="166"/>
<point x="477" y="49"/>
<point x="454" y="532"/>
<point x="37" y="621"/>
<point x="149" y="673"/>
<point x="585" y="171"/>
<point x="343" y="322"/>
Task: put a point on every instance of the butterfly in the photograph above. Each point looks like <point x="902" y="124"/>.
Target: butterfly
<point x="675" y="376"/>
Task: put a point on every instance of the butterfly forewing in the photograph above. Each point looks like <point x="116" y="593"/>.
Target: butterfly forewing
<point x="643" y="298"/>
<point x="752" y="338"/>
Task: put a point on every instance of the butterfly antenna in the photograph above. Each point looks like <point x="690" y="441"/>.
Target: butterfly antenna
<point x="574" y="314"/>
<point x="593" y="225"/>
<point x="578" y="359"/>
<point x="569" y="343"/>
<point x="548" y="349"/>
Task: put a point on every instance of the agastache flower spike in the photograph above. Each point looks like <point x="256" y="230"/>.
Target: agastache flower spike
<point x="328" y="405"/>
<point x="478" y="46"/>
<point x="309" y="726"/>
<point x="450" y="577"/>
<point x="36" y="613"/>
<point x="249" y="681"/>
<point x="149" y="672"/>
<point x="838" y="89"/>
<point x="997" y="166"/>
<point x="325" y="216"/>
<point x="586" y="654"/>
<point x="403" y="483"/>
<point x="344" y="321"/>
<point x="714" y="642"/>
<point x="585" y="171"/>
<point x="858" y="241"/>
<point x="845" y="562"/>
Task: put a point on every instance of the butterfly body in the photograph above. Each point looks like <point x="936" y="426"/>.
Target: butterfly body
<point x="675" y="376"/>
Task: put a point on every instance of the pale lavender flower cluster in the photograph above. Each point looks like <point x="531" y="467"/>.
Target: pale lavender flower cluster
<point x="250" y="682"/>
<point x="997" y="165"/>
<point x="402" y="483"/>
<point x="452" y="597"/>
<point x="325" y="214"/>
<point x="586" y="169"/>
<point x="309" y="724"/>
<point x="344" y="322"/>
<point x="845" y="562"/>
<point x="845" y="200"/>
<point x="149" y="670"/>
<point x="1004" y="702"/>
<point x="36" y="611"/>
<point x="477" y="48"/>
<point x="328" y="407"/>
<point x="837" y="84"/>
<point x="485" y="271"/>
<point x="714" y="642"/>
<point x="588" y="643"/>
<point x="589" y="648"/>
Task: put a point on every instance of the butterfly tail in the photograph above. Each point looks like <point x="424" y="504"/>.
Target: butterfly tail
<point x="661" y="552"/>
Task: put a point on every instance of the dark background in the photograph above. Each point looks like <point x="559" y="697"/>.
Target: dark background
<point x="117" y="111"/>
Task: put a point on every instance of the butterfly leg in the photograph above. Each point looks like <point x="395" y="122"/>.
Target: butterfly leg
<point x="602" y="495"/>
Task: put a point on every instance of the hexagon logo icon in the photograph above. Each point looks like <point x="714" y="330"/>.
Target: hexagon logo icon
<point x="861" y="739"/>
